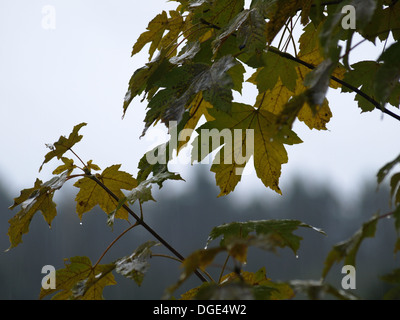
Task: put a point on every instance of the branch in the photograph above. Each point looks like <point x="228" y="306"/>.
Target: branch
<point x="311" y="67"/>
<point x="145" y="225"/>
<point x="112" y="243"/>
<point x="343" y="83"/>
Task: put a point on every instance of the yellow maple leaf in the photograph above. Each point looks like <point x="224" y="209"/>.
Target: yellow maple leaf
<point x="91" y="193"/>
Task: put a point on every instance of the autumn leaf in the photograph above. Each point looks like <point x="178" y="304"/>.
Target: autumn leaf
<point x="247" y="285"/>
<point x="218" y="12"/>
<point x="79" y="280"/>
<point x="91" y="193"/>
<point x="63" y="145"/>
<point x="38" y="198"/>
<point x="278" y="13"/>
<point x="261" y="286"/>
<point x="155" y="32"/>
<point x="67" y="166"/>
<point x="268" y="149"/>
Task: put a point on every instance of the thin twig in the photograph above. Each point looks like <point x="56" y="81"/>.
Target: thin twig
<point x="113" y="242"/>
<point x="223" y="269"/>
<point x="165" y="256"/>
<point x="343" y="83"/>
<point x="311" y="67"/>
<point x="145" y="225"/>
<point x="84" y="165"/>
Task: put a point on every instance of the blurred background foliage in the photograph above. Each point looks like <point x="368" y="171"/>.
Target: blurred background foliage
<point x="185" y="219"/>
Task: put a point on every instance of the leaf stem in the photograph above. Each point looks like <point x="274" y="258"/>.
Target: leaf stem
<point x="223" y="269"/>
<point x="144" y="225"/>
<point x="84" y="165"/>
<point x="113" y="242"/>
<point x="165" y="256"/>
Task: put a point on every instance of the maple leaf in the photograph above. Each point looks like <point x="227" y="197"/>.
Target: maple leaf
<point x="143" y="191"/>
<point x="271" y="233"/>
<point x="32" y="200"/>
<point x="316" y="290"/>
<point x="190" y="119"/>
<point x="183" y="83"/>
<point x="394" y="181"/>
<point x="384" y="21"/>
<point x="143" y="78"/>
<point x="268" y="149"/>
<point x="63" y="145"/>
<point x="275" y="68"/>
<point x="279" y="12"/>
<point x="91" y="193"/>
<point x="361" y="76"/>
<point x="79" y="280"/>
<point x="156" y="30"/>
<point x="387" y="78"/>
<point x="67" y="166"/>
<point x="218" y="12"/>
<point x="136" y="265"/>
<point x="262" y="287"/>
<point x="246" y="285"/>
<point x="347" y="250"/>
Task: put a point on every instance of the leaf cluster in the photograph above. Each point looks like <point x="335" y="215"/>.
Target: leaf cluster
<point x="201" y="56"/>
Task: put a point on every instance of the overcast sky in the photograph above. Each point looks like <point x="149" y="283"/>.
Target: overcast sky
<point x="51" y="80"/>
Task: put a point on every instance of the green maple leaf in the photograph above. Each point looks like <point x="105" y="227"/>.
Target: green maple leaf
<point x="347" y="250"/>
<point x="182" y="85"/>
<point x="271" y="233"/>
<point x="79" y="280"/>
<point x="32" y="200"/>
<point x="63" y="145"/>
<point x="362" y="76"/>
<point x="384" y="21"/>
<point x="392" y="278"/>
<point x="394" y="181"/>
<point x="91" y="193"/>
<point x="387" y="78"/>
<point x="248" y="28"/>
<point x="218" y="12"/>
